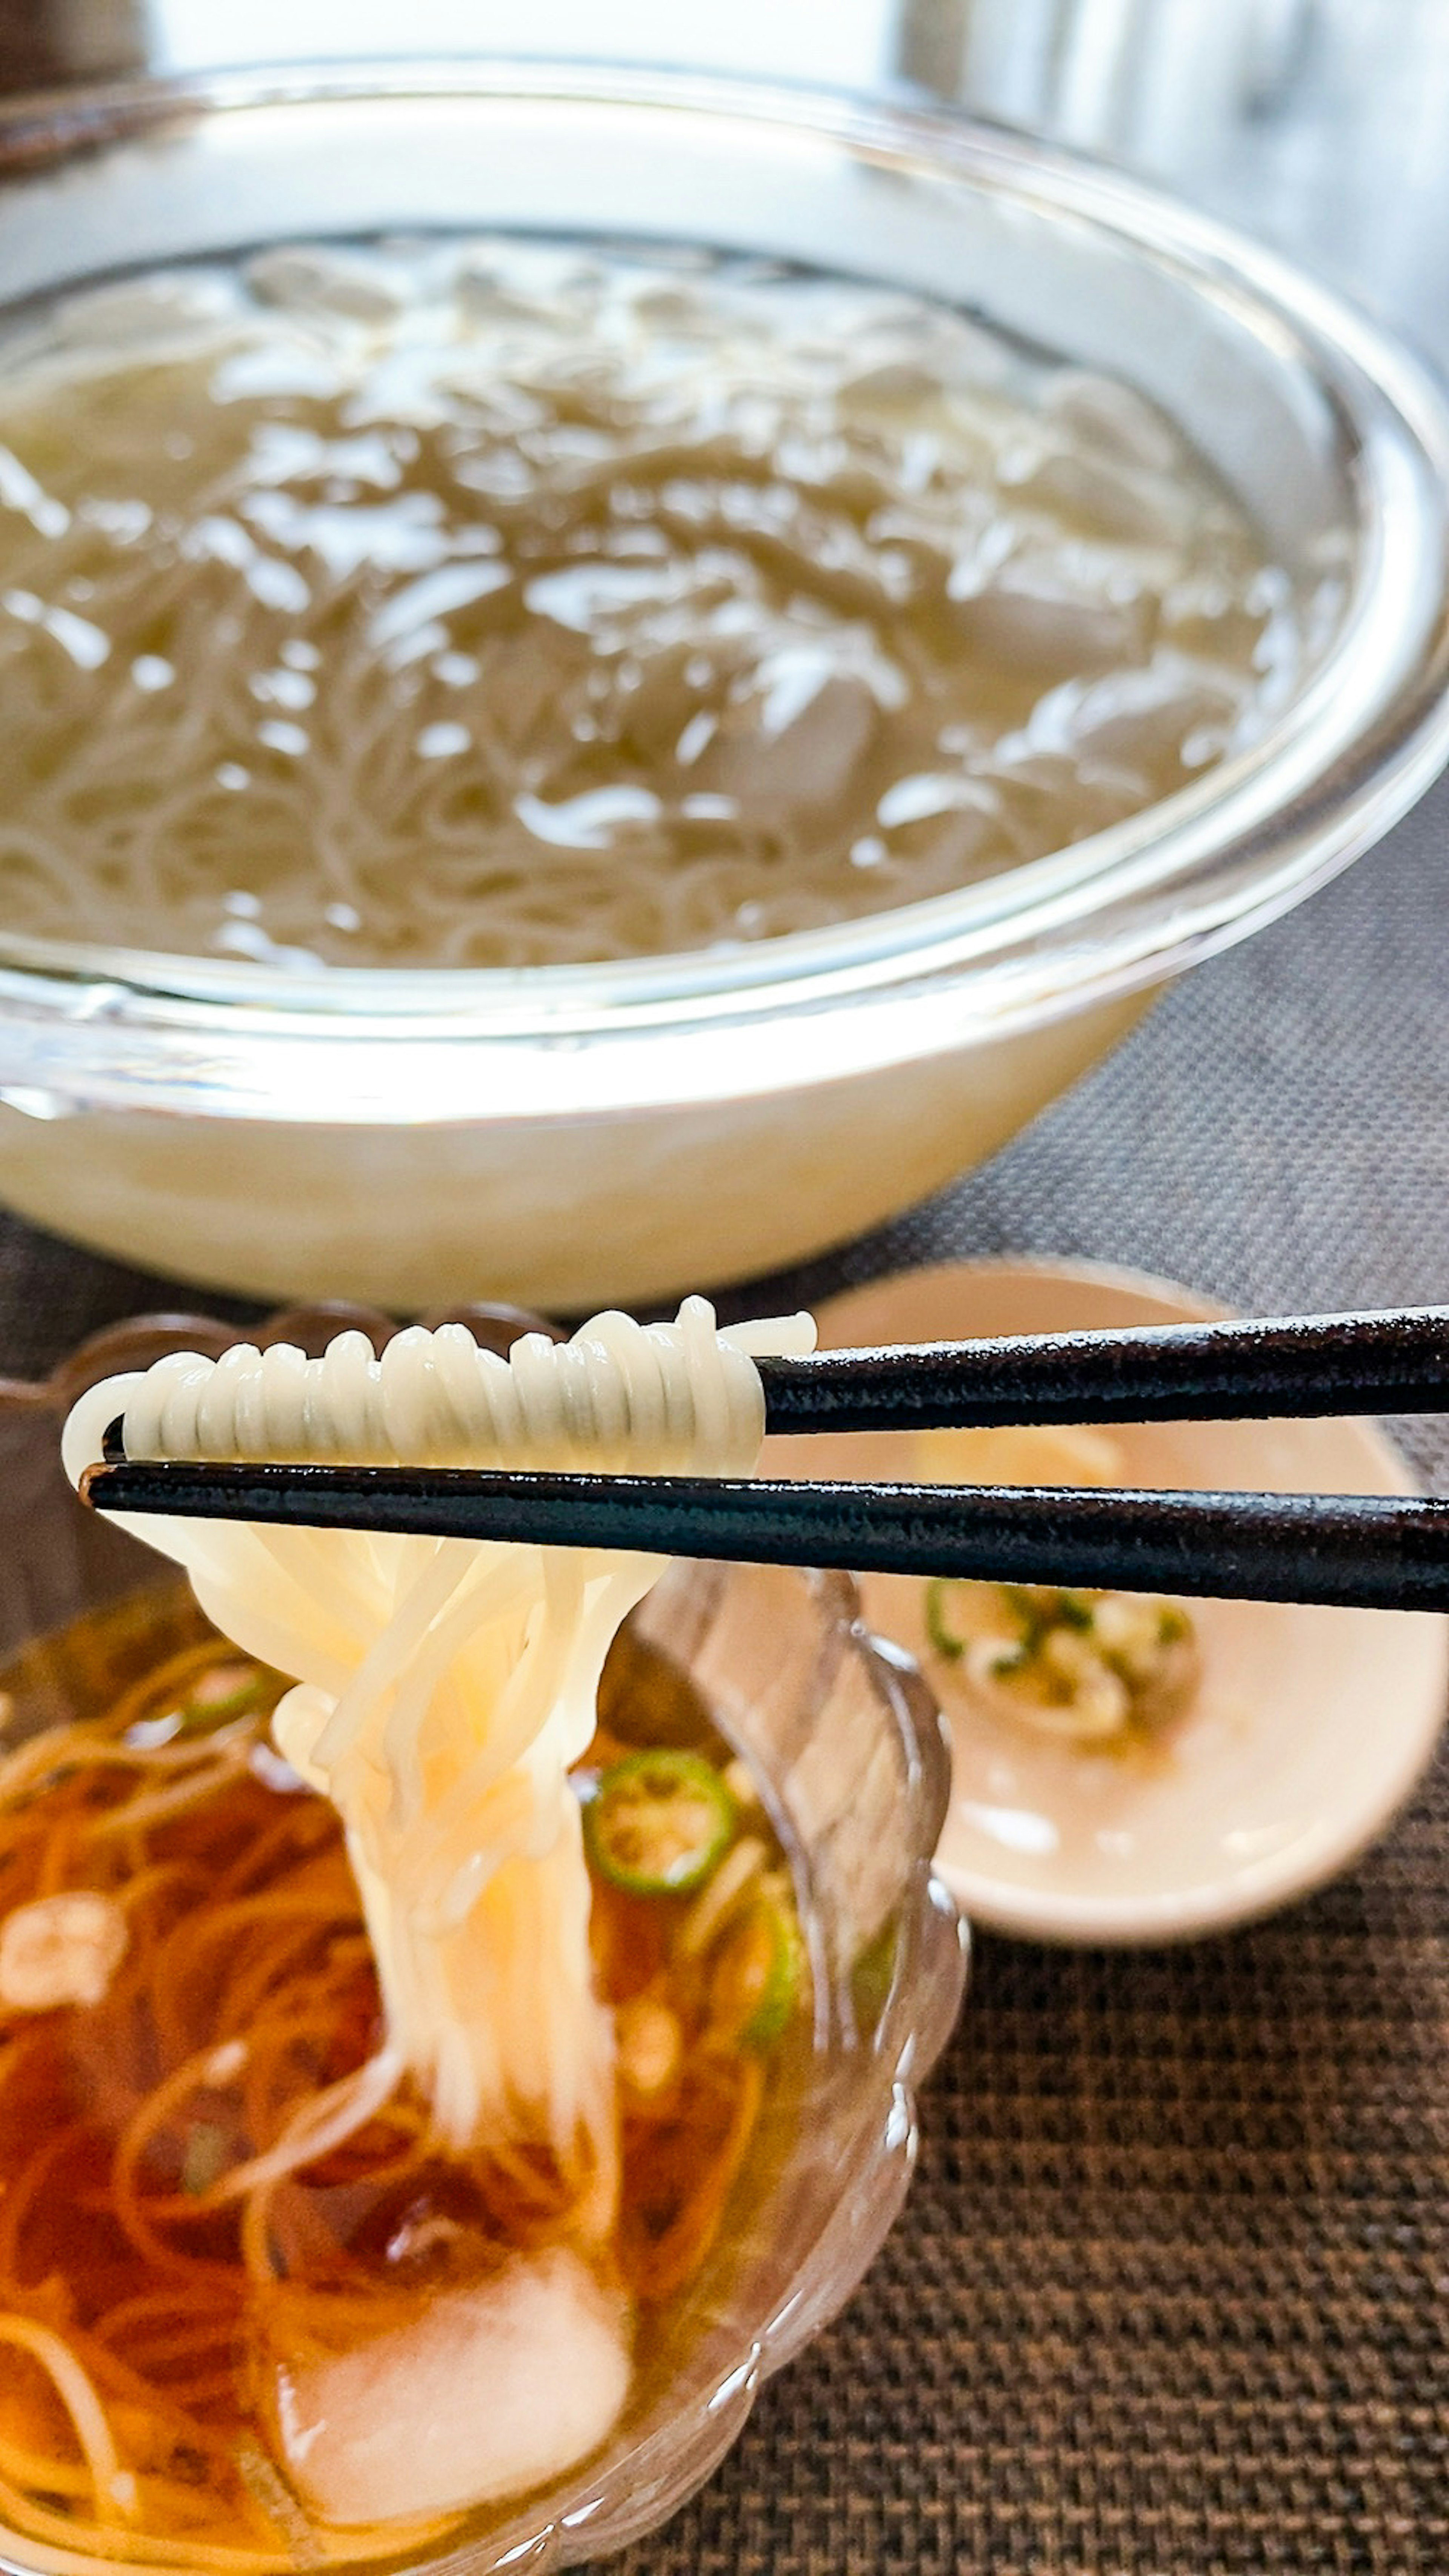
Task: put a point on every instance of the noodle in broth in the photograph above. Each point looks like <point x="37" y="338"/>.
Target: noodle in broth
<point x="332" y="2187"/>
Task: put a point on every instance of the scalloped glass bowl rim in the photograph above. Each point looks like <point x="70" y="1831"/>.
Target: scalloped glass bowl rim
<point x="919" y="2013"/>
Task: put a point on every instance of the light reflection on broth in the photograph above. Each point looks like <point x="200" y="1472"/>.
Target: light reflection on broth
<point x="502" y="603"/>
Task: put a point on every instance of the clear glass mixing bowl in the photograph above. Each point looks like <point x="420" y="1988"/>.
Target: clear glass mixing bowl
<point x="566" y="1135"/>
<point x="851" y="1747"/>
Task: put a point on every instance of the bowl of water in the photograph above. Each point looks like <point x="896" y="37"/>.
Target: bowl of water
<point x="634" y="669"/>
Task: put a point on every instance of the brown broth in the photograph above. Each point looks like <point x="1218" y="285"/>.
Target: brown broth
<point x="247" y="1962"/>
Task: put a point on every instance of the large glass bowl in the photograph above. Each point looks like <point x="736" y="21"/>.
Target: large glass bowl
<point x="566" y="1135"/>
<point x="851" y="1749"/>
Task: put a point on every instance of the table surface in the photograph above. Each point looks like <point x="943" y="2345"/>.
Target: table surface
<point x="1171" y="2291"/>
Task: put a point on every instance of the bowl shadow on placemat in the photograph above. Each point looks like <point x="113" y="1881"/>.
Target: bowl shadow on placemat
<point x="1171" y="2290"/>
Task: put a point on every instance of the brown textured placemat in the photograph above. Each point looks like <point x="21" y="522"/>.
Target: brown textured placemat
<point x="1171" y="2293"/>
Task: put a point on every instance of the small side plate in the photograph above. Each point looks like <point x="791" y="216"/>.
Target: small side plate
<point x="1309" y="1730"/>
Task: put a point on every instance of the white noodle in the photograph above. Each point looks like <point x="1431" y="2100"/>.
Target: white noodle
<point x="444" y="1688"/>
<point x="115" y="2488"/>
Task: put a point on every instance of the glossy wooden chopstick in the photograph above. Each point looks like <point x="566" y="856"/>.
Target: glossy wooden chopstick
<point x="1238" y="1370"/>
<point x="1396" y="1362"/>
<point x="1372" y="1551"/>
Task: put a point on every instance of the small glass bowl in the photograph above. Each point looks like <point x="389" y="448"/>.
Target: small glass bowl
<point x="584" y="1134"/>
<point x="851" y="1752"/>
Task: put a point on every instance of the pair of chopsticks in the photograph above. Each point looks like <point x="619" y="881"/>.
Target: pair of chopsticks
<point x="1372" y="1551"/>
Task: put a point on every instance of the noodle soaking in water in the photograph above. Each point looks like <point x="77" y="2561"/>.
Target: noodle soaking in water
<point x="507" y="603"/>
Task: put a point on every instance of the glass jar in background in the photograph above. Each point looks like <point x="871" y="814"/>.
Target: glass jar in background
<point x="1319" y="125"/>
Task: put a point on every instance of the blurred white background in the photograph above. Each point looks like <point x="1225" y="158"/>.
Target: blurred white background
<point x="1321" y="125"/>
<point x="845" y="42"/>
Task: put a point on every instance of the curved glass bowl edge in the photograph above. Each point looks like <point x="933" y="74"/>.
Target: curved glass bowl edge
<point x="1123" y="909"/>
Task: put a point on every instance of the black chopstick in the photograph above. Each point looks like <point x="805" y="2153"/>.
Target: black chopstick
<point x="1396" y="1362"/>
<point x="1371" y="1551"/>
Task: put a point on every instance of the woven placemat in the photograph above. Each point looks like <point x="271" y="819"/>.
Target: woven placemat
<point x="1171" y="2293"/>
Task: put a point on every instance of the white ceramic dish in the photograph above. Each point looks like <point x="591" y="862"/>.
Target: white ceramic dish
<point x="1311" y="1726"/>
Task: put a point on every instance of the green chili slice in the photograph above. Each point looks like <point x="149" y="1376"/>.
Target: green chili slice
<point x="1034" y="1608"/>
<point x="205" y="1711"/>
<point x="938" y="1618"/>
<point x="659" y="1822"/>
<point x="870" y="1978"/>
<point x="758" y="1975"/>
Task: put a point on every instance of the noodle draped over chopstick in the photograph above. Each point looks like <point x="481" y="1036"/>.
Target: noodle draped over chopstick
<point x="445" y="1687"/>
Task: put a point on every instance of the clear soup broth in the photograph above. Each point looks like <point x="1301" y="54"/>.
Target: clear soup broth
<point x="505" y="603"/>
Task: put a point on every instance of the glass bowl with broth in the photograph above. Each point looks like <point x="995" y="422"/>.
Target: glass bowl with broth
<point x="634" y="670"/>
<point x="121" y="2106"/>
